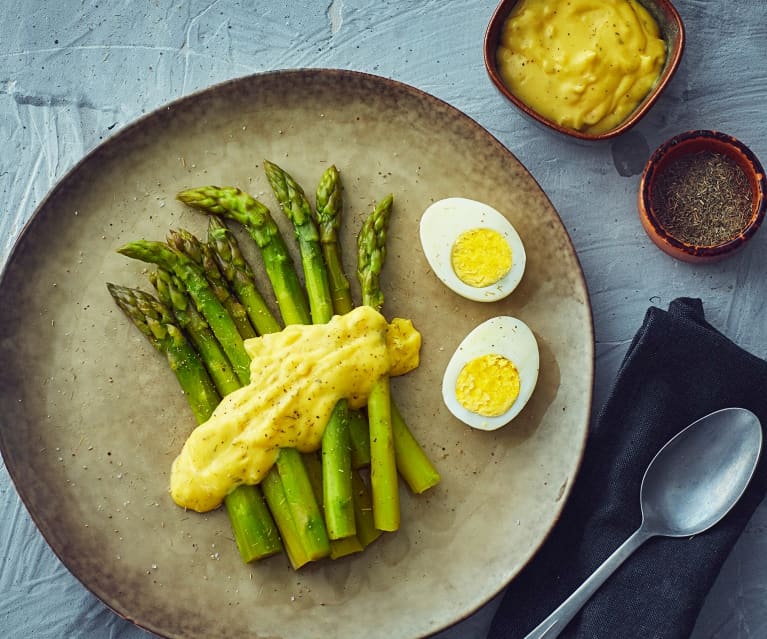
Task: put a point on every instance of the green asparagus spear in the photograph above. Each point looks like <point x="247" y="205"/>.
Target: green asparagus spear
<point x="359" y="438"/>
<point x="306" y="514"/>
<point x="278" y="503"/>
<point x="328" y="208"/>
<point x="185" y="242"/>
<point x="383" y="463"/>
<point x="171" y="293"/>
<point x="336" y="455"/>
<point x="336" y="474"/>
<point x="367" y="532"/>
<point x="253" y="527"/>
<point x="200" y="290"/>
<point x="338" y="547"/>
<point x="255" y="531"/>
<point x="234" y="204"/>
<point x="371" y="253"/>
<point x="156" y="322"/>
<point x="303" y="505"/>
<point x="249" y="529"/>
<point x="412" y="462"/>
<point x="298" y="210"/>
<point x="238" y="273"/>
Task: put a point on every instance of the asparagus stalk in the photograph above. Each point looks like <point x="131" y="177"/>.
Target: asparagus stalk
<point x="338" y="547"/>
<point x="302" y="503"/>
<point x="255" y="531"/>
<point x="310" y="530"/>
<point x="253" y="527"/>
<point x="238" y="273"/>
<point x="383" y="463"/>
<point x="412" y="462"/>
<point x="336" y="474"/>
<point x="193" y="278"/>
<point x="359" y="439"/>
<point x="155" y="321"/>
<point x="296" y="207"/>
<point x="235" y="204"/>
<point x="281" y="502"/>
<point x="336" y="453"/>
<point x="278" y="504"/>
<point x="232" y="203"/>
<point x="187" y="243"/>
<point x="367" y="532"/>
<point x="329" y="206"/>
<point x="171" y="293"/>
<point x="371" y="253"/>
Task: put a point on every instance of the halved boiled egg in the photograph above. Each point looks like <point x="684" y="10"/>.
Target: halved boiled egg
<point x="472" y="248"/>
<point x="492" y="373"/>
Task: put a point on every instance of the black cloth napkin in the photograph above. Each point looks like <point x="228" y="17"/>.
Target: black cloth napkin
<point x="678" y="368"/>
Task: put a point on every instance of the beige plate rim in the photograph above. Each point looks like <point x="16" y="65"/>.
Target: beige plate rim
<point x="289" y="76"/>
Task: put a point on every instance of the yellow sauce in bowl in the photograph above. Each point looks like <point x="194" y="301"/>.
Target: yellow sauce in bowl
<point x="583" y="64"/>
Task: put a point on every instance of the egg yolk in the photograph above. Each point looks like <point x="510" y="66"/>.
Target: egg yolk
<point x="480" y="257"/>
<point x="488" y="385"/>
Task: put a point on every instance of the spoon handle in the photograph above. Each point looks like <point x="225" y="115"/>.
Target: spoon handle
<point x="557" y="620"/>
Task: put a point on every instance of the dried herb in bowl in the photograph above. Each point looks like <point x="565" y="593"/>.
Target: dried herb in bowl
<point x="702" y="196"/>
<point x="703" y="199"/>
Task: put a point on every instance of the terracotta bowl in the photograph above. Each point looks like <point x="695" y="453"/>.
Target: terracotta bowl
<point x="672" y="30"/>
<point x="695" y="142"/>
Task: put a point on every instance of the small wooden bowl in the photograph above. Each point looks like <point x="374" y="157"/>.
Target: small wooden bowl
<point x="695" y="142"/>
<point x="672" y="30"/>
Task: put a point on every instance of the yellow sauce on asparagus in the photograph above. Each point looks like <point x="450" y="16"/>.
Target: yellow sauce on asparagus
<point x="583" y="64"/>
<point x="297" y="377"/>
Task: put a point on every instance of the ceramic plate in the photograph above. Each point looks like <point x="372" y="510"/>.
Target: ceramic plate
<point x="92" y="417"/>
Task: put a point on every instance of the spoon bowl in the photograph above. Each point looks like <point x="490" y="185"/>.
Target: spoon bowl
<point x="690" y="485"/>
<point x="699" y="475"/>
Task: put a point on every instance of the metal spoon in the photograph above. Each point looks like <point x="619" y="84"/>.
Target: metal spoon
<point x="694" y="481"/>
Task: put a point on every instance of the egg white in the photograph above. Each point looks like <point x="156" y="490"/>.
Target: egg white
<point x="505" y="336"/>
<point x="441" y="225"/>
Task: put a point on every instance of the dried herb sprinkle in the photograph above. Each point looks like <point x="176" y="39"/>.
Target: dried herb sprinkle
<point x="703" y="199"/>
